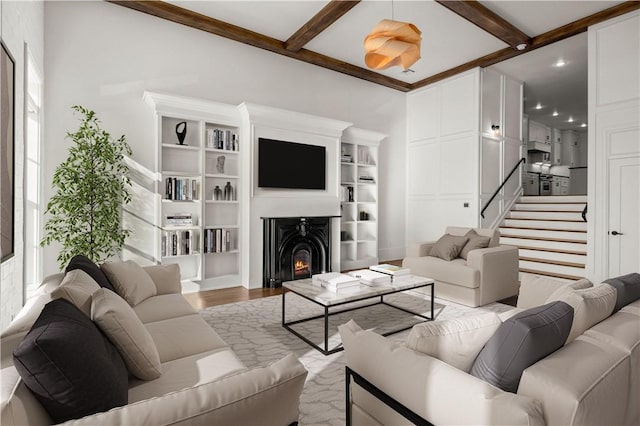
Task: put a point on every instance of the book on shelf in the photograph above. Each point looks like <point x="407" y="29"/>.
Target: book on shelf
<point x="179" y="219"/>
<point x="178" y="243"/>
<point x="394" y="270"/>
<point x="371" y="278"/>
<point x="181" y="189"/>
<point x="222" y="139"/>
<point x="217" y="240"/>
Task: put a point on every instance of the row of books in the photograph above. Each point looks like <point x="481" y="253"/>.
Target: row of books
<point x="181" y="189"/>
<point x="376" y="275"/>
<point x="179" y="219"/>
<point x="179" y="243"/>
<point x="217" y="240"/>
<point x="222" y="139"/>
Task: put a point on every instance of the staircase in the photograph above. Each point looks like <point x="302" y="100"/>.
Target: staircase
<point x="550" y="233"/>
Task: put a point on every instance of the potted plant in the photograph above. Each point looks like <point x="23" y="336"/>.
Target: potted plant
<point x="92" y="185"/>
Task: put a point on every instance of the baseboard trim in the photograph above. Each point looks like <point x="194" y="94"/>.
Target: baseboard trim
<point x="394" y="253"/>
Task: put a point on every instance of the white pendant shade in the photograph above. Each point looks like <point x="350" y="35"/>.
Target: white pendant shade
<point x="392" y="43"/>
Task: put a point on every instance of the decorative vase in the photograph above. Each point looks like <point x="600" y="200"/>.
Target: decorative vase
<point x="217" y="193"/>
<point x="220" y="164"/>
<point x="181" y="132"/>
<point x="228" y="192"/>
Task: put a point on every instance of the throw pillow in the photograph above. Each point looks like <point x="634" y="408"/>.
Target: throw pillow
<point x="165" y="277"/>
<point x="521" y="341"/>
<point x="448" y="247"/>
<point x="125" y="330"/>
<point x="130" y="281"/>
<point x="569" y="288"/>
<point x="457" y="341"/>
<point x="71" y="368"/>
<point x="475" y="242"/>
<point x="628" y="287"/>
<point x="590" y="306"/>
<point x="81" y="261"/>
<point x="77" y="287"/>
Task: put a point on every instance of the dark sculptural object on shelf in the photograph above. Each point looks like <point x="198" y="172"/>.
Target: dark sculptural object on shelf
<point x="181" y="133"/>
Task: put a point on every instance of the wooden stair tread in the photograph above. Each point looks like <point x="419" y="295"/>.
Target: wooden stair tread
<point x="553" y="262"/>
<point x="557" y="240"/>
<point x="550" y="274"/>
<point x="546" y="211"/>
<point x="543" y="229"/>
<point x="545" y="220"/>
<point x="561" y="251"/>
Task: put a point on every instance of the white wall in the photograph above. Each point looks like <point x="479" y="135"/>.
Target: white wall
<point x="21" y="27"/>
<point x="614" y="127"/>
<point x="104" y="56"/>
<point x="443" y="156"/>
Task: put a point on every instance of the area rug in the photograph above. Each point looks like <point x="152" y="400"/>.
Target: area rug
<point x="253" y="329"/>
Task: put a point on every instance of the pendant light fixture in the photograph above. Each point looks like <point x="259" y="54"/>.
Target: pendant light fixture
<point x="392" y="43"/>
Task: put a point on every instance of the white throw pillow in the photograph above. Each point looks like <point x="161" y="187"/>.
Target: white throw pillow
<point x="456" y="341"/>
<point x="590" y="306"/>
<point x="130" y="281"/>
<point x="566" y="289"/>
<point x="120" y="324"/>
<point x="77" y="287"/>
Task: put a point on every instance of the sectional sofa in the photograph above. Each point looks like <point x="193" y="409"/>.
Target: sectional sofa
<point x="592" y="379"/>
<point x="191" y="376"/>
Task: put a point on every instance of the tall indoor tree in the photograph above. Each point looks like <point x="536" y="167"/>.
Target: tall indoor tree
<point x="92" y="185"/>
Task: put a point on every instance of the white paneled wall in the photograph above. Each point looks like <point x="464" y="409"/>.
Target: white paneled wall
<point x="614" y="138"/>
<point x="443" y="156"/>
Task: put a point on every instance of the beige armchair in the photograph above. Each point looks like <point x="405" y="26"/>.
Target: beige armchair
<point x="487" y="275"/>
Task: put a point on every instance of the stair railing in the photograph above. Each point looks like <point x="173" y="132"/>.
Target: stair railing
<point x="504" y="182"/>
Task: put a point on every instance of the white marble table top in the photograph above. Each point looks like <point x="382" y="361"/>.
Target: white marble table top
<point x="326" y="297"/>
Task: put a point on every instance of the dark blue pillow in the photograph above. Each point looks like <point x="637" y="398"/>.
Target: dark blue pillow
<point x="520" y="342"/>
<point x="69" y="365"/>
<point x="628" y="287"/>
<point x="87" y="265"/>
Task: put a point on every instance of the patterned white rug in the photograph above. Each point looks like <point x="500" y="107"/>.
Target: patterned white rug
<point x="253" y="329"/>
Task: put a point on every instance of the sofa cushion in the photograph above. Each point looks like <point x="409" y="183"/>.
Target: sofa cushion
<point x="590" y="306"/>
<point x="475" y="242"/>
<point x="521" y="341"/>
<point x="165" y="277"/>
<point x="70" y="366"/>
<point x="87" y="265"/>
<point x="455" y="272"/>
<point x="628" y="289"/>
<point x="77" y="287"/>
<point x="456" y="341"/>
<point x="119" y="322"/>
<point x="162" y="307"/>
<point x="448" y="247"/>
<point x="130" y="281"/>
<point x="569" y="288"/>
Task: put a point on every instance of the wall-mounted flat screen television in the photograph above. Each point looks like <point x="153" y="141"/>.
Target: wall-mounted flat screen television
<point x="291" y="165"/>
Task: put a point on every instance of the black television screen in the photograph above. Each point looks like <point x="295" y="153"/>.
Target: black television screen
<point x="291" y="165"/>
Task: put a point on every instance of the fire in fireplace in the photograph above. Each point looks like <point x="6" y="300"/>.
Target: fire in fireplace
<point x="295" y="248"/>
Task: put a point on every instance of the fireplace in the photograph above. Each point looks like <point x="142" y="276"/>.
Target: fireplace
<point x="295" y="248"/>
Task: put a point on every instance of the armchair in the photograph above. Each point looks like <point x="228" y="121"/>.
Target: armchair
<point x="488" y="274"/>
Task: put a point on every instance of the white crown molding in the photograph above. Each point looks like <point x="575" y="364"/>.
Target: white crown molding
<point x="194" y="108"/>
<point x="362" y="136"/>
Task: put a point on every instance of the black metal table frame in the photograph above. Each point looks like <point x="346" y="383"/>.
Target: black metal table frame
<point x="327" y="314"/>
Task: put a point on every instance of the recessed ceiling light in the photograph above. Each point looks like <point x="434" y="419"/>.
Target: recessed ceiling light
<point x="555" y="113"/>
<point x="560" y="63"/>
<point x="570" y="120"/>
<point x="538" y="106"/>
<point x="583" y="125"/>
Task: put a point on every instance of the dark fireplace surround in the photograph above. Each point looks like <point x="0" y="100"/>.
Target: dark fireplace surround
<point x="295" y="248"/>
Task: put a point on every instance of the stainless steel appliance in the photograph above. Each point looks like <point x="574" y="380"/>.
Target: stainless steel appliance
<point x="531" y="184"/>
<point x="545" y="184"/>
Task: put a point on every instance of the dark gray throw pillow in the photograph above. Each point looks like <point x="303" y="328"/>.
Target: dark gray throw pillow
<point x="628" y="287"/>
<point x="448" y="247"/>
<point x="520" y="342"/>
<point x="87" y="265"/>
<point x="69" y="365"/>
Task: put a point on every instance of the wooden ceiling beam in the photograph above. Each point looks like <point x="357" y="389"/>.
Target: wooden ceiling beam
<point x="329" y="14"/>
<point x="553" y="36"/>
<point x="198" y="21"/>
<point x="487" y="20"/>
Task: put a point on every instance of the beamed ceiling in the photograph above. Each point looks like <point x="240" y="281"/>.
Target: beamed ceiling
<point x="457" y="35"/>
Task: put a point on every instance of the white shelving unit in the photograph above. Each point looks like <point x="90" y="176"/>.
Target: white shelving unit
<point x="359" y="201"/>
<point x="206" y="164"/>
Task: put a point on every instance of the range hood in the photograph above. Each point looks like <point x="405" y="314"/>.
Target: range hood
<point x="534" y="146"/>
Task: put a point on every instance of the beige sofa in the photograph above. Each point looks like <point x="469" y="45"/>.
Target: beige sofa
<point x="202" y="381"/>
<point x="593" y="380"/>
<point x="489" y="274"/>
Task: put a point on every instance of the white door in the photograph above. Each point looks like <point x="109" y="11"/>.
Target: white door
<point x="624" y="216"/>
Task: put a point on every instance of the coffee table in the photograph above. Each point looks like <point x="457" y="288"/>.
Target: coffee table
<point x="328" y="299"/>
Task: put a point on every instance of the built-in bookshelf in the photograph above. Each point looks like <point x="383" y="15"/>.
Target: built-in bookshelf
<point x="198" y="221"/>
<point x="359" y="198"/>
